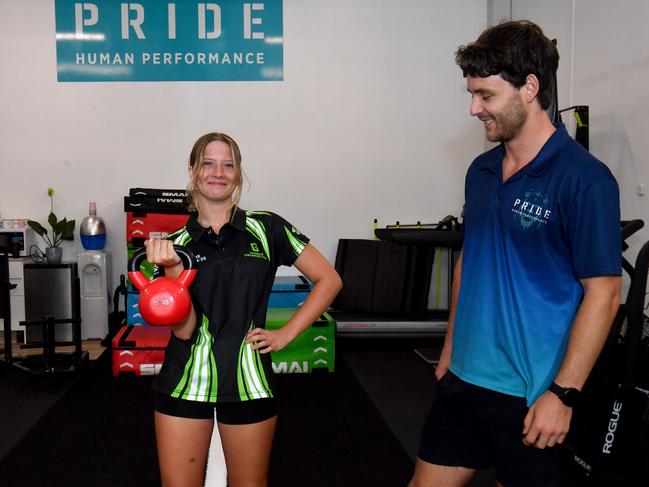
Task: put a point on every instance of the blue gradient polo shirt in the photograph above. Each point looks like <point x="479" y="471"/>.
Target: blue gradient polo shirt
<point x="527" y="243"/>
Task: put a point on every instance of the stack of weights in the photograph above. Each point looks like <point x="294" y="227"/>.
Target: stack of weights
<point x="93" y="230"/>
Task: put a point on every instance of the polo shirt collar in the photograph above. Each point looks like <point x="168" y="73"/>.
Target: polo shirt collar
<point x="196" y="230"/>
<point x="239" y="219"/>
<point x="543" y="160"/>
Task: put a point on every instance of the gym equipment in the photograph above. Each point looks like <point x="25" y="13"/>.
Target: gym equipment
<point x="139" y="350"/>
<point x="150" y="213"/>
<point x="52" y="299"/>
<point x="389" y="289"/>
<point x="289" y="291"/>
<point x="383" y="277"/>
<point x="117" y="317"/>
<point x="142" y="225"/>
<point x="608" y="443"/>
<point x="159" y="204"/>
<point x="164" y="301"/>
<point x="313" y="350"/>
<point x="580" y="114"/>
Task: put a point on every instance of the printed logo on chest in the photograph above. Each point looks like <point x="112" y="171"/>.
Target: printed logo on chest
<point x="532" y="210"/>
<point x="255" y="252"/>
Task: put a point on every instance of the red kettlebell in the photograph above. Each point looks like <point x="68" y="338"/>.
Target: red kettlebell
<point x="164" y="301"/>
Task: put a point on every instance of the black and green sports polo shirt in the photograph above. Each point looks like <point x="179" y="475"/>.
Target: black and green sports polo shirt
<point x="236" y="270"/>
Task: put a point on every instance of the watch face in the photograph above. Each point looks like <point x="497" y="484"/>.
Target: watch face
<point x="570" y="396"/>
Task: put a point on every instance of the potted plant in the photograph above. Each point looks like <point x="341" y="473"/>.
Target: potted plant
<point x="61" y="230"/>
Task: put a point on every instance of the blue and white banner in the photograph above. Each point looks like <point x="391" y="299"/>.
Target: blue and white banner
<point x="157" y="40"/>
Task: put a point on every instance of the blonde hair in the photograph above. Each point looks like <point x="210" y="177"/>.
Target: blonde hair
<point x="195" y="157"/>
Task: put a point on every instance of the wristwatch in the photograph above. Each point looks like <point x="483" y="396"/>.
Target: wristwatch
<point x="568" y="395"/>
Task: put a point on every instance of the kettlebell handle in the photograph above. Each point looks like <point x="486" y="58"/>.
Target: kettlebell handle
<point x="186" y="256"/>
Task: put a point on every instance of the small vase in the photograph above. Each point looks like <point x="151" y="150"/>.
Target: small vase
<point x="53" y="255"/>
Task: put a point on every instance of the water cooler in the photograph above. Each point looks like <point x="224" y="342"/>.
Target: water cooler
<point x="93" y="273"/>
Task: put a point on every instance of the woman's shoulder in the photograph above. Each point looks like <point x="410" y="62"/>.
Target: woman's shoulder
<point x="263" y="215"/>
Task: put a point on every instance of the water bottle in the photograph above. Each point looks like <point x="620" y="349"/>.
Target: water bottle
<point x="93" y="230"/>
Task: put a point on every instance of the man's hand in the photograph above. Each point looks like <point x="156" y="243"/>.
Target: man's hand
<point x="547" y="422"/>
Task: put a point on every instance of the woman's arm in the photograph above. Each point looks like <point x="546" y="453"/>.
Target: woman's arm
<point x="162" y="254"/>
<point x="326" y="286"/>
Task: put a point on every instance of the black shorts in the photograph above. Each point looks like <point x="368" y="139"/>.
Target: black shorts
<point x="469" y="426"/>
<point x="244" y="412"/>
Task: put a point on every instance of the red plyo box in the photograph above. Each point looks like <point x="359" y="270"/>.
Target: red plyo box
<point x="141" y="226"/>
<point x="140" y="350"/>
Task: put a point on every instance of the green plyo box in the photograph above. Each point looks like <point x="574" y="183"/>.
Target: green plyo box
<point x="314" y="349"/>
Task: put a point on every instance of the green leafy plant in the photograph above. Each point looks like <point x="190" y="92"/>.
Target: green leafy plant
<point x="61" y="229"/>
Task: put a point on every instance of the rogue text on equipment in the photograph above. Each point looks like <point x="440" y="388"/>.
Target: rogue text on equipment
<point x="171" y="58"/>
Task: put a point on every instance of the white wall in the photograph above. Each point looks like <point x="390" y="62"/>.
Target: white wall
<point x="371" y="121"/>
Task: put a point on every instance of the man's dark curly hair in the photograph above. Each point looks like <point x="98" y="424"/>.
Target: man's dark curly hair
<point x="514" y="50"/>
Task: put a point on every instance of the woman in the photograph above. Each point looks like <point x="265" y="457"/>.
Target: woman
<point x="218" y="358"/>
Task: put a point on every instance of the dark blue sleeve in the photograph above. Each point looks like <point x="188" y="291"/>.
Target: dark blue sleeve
<point x="594" y="230"/>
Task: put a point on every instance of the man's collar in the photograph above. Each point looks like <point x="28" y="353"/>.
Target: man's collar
<point x="540" y="164"/>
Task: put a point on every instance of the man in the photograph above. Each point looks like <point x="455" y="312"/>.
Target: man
<point x="537" y="283"/>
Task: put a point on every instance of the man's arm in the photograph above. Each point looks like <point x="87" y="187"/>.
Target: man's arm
<point x="548" y="419"/>
<point x="590" y="330"/>
<point x="445" y="356"/>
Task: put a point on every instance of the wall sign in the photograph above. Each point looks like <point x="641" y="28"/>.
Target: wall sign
<point x="157" y="40"/>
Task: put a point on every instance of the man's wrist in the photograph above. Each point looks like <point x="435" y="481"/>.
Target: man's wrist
<point x="569" y="396"/>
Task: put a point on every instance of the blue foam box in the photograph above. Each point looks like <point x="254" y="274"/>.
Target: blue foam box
<point x="289" y="291"/>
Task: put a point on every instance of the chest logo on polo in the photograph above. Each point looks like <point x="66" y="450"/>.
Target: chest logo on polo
<point x="532" y="209"/>
<point x="255" y="252"/>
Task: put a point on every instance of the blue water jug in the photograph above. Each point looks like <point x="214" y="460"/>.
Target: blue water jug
<point x="93" y="230"/>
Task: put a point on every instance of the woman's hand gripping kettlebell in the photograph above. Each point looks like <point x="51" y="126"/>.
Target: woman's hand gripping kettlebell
<point x="163" y="254"/>
<point x="165" y="301"/>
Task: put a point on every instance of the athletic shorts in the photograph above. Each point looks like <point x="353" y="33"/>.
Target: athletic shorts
<point x="244" y="412"/>
<point x="469" y="426"/>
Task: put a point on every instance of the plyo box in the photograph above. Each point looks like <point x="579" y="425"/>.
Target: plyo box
<point x="133" y="316"/>
<point x="140" y="350"/>
<point x="314" y="349"/>
<point x="289" y="291"/>
<point x="144" y="225"/>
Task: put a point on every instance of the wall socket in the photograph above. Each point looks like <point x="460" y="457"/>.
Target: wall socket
<point x="640" y="189"/>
